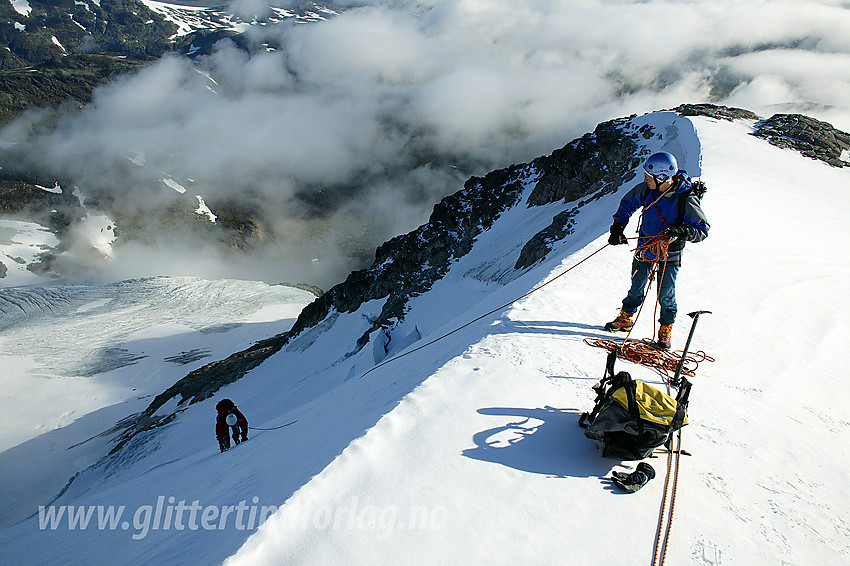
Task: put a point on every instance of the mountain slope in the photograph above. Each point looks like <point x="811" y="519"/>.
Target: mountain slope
<point x="468" y="451"/>
<point x="488" y="445"/>
<point x="77" y="358"/>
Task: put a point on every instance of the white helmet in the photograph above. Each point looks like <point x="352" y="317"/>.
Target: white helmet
<point x="661" y="166"/>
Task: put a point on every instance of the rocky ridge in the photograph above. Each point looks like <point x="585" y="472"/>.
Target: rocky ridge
<point x="410" y="264"/>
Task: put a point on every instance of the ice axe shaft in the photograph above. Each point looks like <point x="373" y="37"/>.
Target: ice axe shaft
<point x="694" y="315"/>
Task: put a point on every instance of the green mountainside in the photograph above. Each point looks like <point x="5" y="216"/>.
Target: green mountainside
<point x="55" y="52"/>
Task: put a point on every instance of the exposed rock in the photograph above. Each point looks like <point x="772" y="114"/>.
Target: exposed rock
<point x="595" y="164"/>
<point x="66" y="84"/>
<point x="24" y="198"/>
<point x="25" y="194"/>
<point x="586" y="164"/>
<point x="813" y="138"/>
<point x="717" y="112"/>
<point x="409" y="264"/>
<point x="304" y="287"/>
<point x="197" y="386"/>
<point x="541" y="243"/>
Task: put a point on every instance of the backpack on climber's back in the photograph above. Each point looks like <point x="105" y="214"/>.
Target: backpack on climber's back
<point x="697" y="189"/>
<point x="631" y="418"/>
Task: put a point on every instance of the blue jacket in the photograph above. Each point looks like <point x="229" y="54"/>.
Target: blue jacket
<point x="678" y="207"/>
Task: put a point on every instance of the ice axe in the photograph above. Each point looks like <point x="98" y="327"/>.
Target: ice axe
<point x="694" y="315"/>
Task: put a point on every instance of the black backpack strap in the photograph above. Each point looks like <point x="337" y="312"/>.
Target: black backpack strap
<point x="630" y="387"/>
<point x="601" y="389"/>
<point x="697" y="189"/>
<point x="609" y="363"/>
<point x="681" y="198"/>
<point x="681" y="404"/>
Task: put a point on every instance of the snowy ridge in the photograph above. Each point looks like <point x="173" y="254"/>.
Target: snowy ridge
<point x="488" y="442"/>
<point x="468" y="451"/>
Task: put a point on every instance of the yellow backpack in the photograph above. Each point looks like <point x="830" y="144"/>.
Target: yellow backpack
<point x="632" y="418"/>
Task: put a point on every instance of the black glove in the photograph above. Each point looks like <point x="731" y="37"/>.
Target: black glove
<point x="677" y="232"/>
<point x="617" y="236"/>
<point x="635" y="480"/>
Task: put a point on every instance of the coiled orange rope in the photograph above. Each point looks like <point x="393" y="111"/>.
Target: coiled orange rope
<point x="647" y="354"/>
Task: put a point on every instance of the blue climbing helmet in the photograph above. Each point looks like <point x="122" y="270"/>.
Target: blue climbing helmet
<point x="661" y="166"/>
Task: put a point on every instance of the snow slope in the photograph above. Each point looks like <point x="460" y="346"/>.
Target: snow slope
<point x="467" y="451"/>
<point x="77" y="358"/>
<point x="491" y="435"/>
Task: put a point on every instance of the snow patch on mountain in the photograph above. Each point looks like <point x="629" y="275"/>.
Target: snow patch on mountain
<point x="21" y="244"/>
<point x="55" y="189"/>
<point x="172" y="184"/>
<point x="189" y="19"/>
<point x="57" y="43"/>
<point x="22" y="7"/>
<point x="204" y="210"/>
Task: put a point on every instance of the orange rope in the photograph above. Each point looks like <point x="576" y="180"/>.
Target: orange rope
<point x="647" y="354"/>
<point x="644" y="352"/>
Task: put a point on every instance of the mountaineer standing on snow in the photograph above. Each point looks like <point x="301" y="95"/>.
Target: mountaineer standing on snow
<point x="229" y="417"/>
<point x="671" y="215"/>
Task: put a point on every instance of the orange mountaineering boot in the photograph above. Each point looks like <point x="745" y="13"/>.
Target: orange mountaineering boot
<point x="665" y="334"/>
<point x="623" y="322"/>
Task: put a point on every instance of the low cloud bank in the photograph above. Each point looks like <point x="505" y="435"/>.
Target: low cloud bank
<point x="343" y="133"/>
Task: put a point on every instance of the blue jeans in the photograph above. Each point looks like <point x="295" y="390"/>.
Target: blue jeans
<point x="666" y="291"/>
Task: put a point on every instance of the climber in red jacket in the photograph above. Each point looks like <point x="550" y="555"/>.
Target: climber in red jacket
<point x="229" y="417"/>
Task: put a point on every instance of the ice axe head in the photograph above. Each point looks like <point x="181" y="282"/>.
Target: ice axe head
<point x="694" y="315"/>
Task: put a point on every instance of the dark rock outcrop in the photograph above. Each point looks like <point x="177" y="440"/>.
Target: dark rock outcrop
<point x="594" y="164"/>
<point x="813" y="138"/>
<point x="716" y="112"/>
<point x="587" y="164"/>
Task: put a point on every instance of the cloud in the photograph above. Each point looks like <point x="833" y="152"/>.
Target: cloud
<point x="345" y="132"/>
